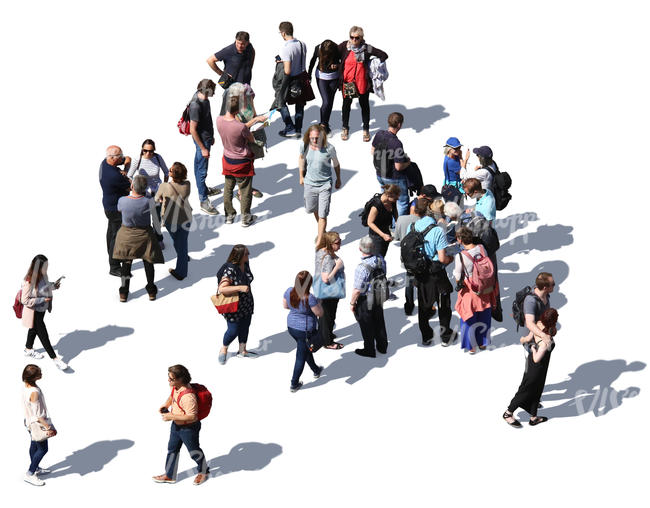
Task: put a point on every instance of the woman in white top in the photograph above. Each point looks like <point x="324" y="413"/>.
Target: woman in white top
<point x="485" y="170"/>
<point x="149" y="165"/>
<point x="36" y="415"/>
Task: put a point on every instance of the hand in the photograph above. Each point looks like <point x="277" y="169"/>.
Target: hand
<point x="48" y="299"/>
<point x="477" y="167"/>
<point x="167" y="417"/>
<point x="205" y="153"/>
<point x="467" y="154"/>
<point x="57" y="285"/>
<point x="325" y="278"/>
<point x="334" y="66"/>
<point x="352" y="306"/>
<point x="127" y="160"/>
<point x="337" y="185"/>
<point x="51" y="432"/>
<point x="261" y="118"/>
<point x="302" y="180"/>
<point x="244" y="289"/>
<point x="160" y="409"/>
<point x="387" y="238"/>
<point x="123" y="173"/>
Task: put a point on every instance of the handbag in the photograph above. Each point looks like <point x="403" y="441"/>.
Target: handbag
<point x="350" y="90"/>
<point x="314" y="340"/>
<point x="225" y="304"/>
<point x="334" y="289"/>
<point x="38" y="432"/>
<point x="300" y="89"/>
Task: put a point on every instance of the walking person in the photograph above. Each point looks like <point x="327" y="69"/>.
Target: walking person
<point x="302" y="324"/>
<point x="177" y="215"/>
<point x="293" y="56"/>
<point x="315" y="163"/>
<point x="382" y="213"/>
<point x="185" y="428"/>
<point x="330" y="289"/>
<point x="115" y="184"/>
<point x="235" y="278"/>
<point x="36" y="298"/>
<point x="328" y="56"/>
<point x="38" y="423"/>
<point x="355" y="78"/>
<point x="136" y="238"/>
<point x="532" y="384"/>
<point x="150" y="165"/>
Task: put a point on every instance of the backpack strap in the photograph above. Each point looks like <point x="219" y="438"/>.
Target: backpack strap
<point x="178" y="399"/>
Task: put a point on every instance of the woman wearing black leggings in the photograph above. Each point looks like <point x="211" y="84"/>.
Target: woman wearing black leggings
<point x="327" y="77"/>
<point x="36" y="298"/>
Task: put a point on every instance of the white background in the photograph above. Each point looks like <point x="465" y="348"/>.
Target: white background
<point x="557" y="89"/>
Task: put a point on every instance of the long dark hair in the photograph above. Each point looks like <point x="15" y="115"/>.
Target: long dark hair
<point x="300" y="290"/>
<point x="549" y="320"/>
<point x="148" y="142"/>
<point x="34" y="274"/>
<point x="236" y="254"/>
<point x="328" y="54"/>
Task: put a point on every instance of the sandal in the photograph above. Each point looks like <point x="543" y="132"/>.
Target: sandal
<point x="257" y="194"/>
<point x="514" y="423"/>
<point x="535" y="420"/>
<point x="334" y="345"/>
<point x="345" y="135"/>
<point x="366" y="136"/>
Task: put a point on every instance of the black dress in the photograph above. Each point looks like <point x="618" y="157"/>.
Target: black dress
<point x="532" y="384"/>
<point x="383" y="221"/>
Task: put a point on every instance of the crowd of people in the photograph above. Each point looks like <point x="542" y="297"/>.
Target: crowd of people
<point x="434" y="230"/>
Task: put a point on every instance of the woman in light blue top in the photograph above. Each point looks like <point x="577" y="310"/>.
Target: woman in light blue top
<point x="302" y="322"/>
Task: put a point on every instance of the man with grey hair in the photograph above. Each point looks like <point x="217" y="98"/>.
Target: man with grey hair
<point x="114" y="185"/>
<point x="369" y="314"/>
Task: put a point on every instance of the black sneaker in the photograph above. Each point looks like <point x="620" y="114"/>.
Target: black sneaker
<point x="363" y="352"/>
<point x="320" y="371"/>
<point x="213" y="191"/>
<point x="115" y="272"/>
<point x="295" y="388"/>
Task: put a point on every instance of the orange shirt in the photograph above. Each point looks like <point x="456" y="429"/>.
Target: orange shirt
<point x="187" y="405"/>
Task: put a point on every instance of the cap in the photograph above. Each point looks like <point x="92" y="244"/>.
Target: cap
<point x="483" y="151"/>
<point x="454" y="143"/>
<point x="430" y="191"/>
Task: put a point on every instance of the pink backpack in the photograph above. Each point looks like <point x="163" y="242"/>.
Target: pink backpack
<point x="482" y="281"/>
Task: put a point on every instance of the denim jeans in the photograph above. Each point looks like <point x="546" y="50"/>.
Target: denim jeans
<point x="187" y="435"/>
<point x="302" y="355"/>
<point x="286" y="116"/>
<point x="201" y="172"/>
<point x="327" y="89"/>
<point x="403" y="200"/>
<point x="179" y="237"/>
<point x="37" y="451"/>
<point x="237" y="329"/>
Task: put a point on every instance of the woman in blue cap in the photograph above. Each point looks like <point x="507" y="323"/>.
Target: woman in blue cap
<point x="453" y="163"/>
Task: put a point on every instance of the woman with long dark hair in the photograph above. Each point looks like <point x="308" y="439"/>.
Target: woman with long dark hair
<point x="302" y="323"/>
<point x="235" y="278"/>
<point x="36" y="298"/>
<point x="327" y="77"/>
<point x="532" y="385"/>
<point x="383" y="211"/>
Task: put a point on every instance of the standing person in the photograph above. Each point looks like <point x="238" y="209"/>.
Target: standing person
<point x="454" y="163"/>
<point x="37" y="420"/>
<point x="485" y="203"/>
<point x="238" y="59"/>
<point x="315" y="162"/>
<point x="484" y="171"/>
<point x="115" y="184"/>
<point x="434" y="288"/>
<point x="355" y="78"/>
<point x="391" y="161"/>
<point x="532" y="384"/>
<point x="293" y="55"/>
<point x="37" y="298"/>
<point x="202" y="132"/>
<point x="177" y="215"/>
<point x="536" y="303"/>
<point x="185" y="426"/>
<point x="370" y="316"/>
<point x="237" y="161"/>
<point x="327" y="77"/>
<point x="235" y="278"/>
<point x="136" y="238"/>
<point x="149" y="165"/>
<point x="475" y="310"/>
<point x="329" y="267"/>
<point x="381" y="215"/>
<point x="304" y="310"/>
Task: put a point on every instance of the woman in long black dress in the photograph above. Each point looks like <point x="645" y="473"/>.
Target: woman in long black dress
<point x="380" y="218"/>
<point x="532" y="384"/>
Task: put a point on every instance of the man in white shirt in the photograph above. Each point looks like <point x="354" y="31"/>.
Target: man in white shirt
<point x="293" y="55"/>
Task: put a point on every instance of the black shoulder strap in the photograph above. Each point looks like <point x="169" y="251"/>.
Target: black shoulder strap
<point x="425" y="232"/>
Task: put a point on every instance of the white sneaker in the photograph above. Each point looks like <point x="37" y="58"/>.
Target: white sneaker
<point x="60" y="363"/>
<point x="30" y="353"/>
<point x="33" y="479"/>
<point x="42" y="470"/>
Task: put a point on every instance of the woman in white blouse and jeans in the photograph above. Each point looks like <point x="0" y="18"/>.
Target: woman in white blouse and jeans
<point x="36" y="414"/>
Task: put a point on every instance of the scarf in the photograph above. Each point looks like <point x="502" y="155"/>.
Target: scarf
<point x="359" y="52"/>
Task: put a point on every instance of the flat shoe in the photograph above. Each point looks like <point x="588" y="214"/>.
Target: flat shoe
<point x="222" y="358"/>
<point x="257" y="193"/>
<point x="163" y="479"/>
<point x="537" y="420"/>
<point x="515" y="423"/>
<point x="200" y="478"/>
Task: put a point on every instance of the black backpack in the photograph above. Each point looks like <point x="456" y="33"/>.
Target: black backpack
<point x="366" y="210"/>
<point x="414" y="257"/>
<point x="518" y="305"/>
<point x="377" y="284"/>
<point x="501" y="182"/>
<point x="451" y="193"/>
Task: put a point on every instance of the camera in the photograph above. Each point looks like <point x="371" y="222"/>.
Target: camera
<point x="460" y="285"/>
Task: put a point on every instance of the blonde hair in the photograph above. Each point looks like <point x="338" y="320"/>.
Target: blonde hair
<point x="327" y="241"/>
<point x="357" y="30"/>
<point x="437" y="206"/>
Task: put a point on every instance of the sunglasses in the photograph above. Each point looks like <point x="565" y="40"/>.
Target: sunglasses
<point x="355" y="37"/>
<point x="147" y="151"/>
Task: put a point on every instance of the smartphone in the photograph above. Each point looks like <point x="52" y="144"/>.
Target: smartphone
<point x="164" y="410"/>
<point x="57" y="281"/>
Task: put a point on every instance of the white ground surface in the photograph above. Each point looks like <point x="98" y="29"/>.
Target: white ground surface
<point x="556" y="89"/>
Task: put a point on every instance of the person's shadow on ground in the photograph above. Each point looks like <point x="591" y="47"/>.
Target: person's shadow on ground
<point x="91" y="459"/>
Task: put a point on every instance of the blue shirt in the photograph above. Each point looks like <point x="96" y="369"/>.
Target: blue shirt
<point x="487" y="206"/>
<point x="451" y="167"/>
<point x="114" y="185"/>
<point x="435" y="240"/>
<point x="135" y="211"/>
<point x="362" y="273"/>
<point x="301" y="318"/>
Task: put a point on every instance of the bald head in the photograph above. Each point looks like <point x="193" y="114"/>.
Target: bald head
<point x="113" y="155"/>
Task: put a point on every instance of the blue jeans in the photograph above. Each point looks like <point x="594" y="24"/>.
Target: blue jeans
<point x="187" y="435"/>
<point x="37" y="451"/>
<point x="403" y="200"/>
<point x="286" y="116"/>
<point x="179" y="237"/>
<point x="201" y="172"/>
<point x="237" y="329"/>
<point x="302" y="355"/>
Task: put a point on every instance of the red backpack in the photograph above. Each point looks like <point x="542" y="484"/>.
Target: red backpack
<point x="482" y="281"/>
<point x="203" y="398"/>
<point x="18" y="304"/>
<point x="184" y="122"/>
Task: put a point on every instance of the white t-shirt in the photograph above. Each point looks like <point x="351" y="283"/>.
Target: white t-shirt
<point x="466" y="262"/>
<point x="290" y="52"/>
<point x="482" y="175"/>
<point x="34" y="410"/>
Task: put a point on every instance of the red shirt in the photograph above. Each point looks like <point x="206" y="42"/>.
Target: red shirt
<point x="355" y="71"/>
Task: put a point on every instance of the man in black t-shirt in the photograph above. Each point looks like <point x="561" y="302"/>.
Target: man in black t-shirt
<point x="238" y="59"/>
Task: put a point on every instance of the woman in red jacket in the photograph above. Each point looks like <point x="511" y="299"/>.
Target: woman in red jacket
<point x="355" y="78"/>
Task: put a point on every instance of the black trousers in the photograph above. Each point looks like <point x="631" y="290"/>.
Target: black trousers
<point x="126" y="277"/>
<point x="373" y="327"/>
<point x="365" y="111"/>
<point x="379" y="245"/>
<point x="40" y="330"/>
<point x="114" y="224"/>
<point x="434" y="288"/>
<point x="409" y="291"/>
<point x="327" y="89"/>
<point x="326" y="322"/>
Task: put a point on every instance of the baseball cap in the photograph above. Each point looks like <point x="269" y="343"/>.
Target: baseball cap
<point x="483" y="151"/>
<point x="430" y="191"/>
<point x="454" y="143"/>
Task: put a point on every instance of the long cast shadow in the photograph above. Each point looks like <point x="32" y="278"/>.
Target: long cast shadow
<point x="91" y="459"/>
<point x="73" y="343"/>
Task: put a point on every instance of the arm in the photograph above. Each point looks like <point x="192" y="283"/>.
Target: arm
<point x="254" y="120"/>
<point x="337" y="170"/>
<point x="443" y="257"/>
<point x="302" y="168"/>
<point x="131" y="171"/>
<point x="401" y="166"/>
<point x="33" y="398"/>
<point x="312" y="62"/>
<point x="317" y="310"/>
<point x="27" y="298"/>
<point x="166" y="404"/>
<point x="163" y="168"/>
<point x="287" y="68"/>
<point x="372" y="216"/>
<point x="353" y="299"/>
<point x="189" y="415"/>
<point x="338" y="264"/>
<point x="382" y="55"/>
<point x="212" y="62"/>
<point x="463" y="162"/>
<point x="536" y="330"/>
<point x="458" y="267"/>
<point x="197" y="139"/>
<point x="285" y="304"/>
<point x="227" y="289"/>
<point x="539" y="352"/>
